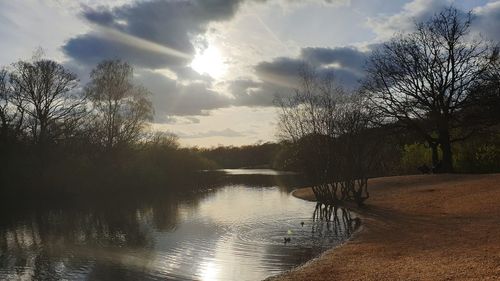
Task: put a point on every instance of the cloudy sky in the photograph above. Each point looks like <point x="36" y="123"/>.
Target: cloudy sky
<point x="214" y="67"/>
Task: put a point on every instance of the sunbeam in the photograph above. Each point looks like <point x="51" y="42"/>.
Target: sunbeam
<point x="140" y="43"/>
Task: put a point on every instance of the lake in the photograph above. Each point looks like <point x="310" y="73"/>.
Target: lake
<point x="234" y="231"/>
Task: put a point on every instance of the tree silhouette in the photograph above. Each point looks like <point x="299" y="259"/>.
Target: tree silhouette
<point x="120" y="108"/>
<point x="330" y="129"/>
<point x="426" y="79"/>
<point x="45" y="91"/>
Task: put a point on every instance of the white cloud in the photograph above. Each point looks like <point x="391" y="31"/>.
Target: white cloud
<point x="417" y="10"/>
<point x="27" y="25"/>
<point x="488" y="20"/>
<point x="248" y="33"/>
<point x="249" y="125"/>
<point x="227" y="132"/>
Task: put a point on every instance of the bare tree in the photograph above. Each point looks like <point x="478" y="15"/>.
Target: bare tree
<point x="487" y="95"/>
<point x="12" y="112"/>
<point x="121" y="108"/>
<point x="46" y="92"/>
<point x="330" y="129"/>
<point x="162" y="139"/>
<point x="305" y="120"/>
<point x="426" y="79"/>
<point x="4" y="104"/>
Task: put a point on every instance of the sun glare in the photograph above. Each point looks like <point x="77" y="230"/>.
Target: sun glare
<point x="210" y="61"/>
<point x="209" y="272"/>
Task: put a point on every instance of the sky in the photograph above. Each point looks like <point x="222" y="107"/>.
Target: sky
<point x="215" y="67"/>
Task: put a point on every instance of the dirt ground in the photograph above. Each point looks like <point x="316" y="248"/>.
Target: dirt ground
<point x="424" y="227"/>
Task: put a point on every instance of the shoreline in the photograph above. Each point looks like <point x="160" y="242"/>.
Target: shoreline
<point x="307" y="197"/>
<point x="420" y="227"/>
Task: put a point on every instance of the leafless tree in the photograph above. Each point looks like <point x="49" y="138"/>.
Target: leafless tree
<point x="488" y="94"/>
<point x="330" y="128"/>
<point x="305" y="120"/>
<point x="162" y="139"/>
<point x="46" y="92"/>
<point x="4" y="104"/>
<point x="121" y="108"/>
<point x="12" y="119"/>
<point x="425" y="79"/>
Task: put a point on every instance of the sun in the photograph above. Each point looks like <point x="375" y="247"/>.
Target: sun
<point x="210" y="61"/>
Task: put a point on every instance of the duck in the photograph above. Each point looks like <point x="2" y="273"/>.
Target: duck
<point x="302" y="223"/>
<point x="287" y="239"/>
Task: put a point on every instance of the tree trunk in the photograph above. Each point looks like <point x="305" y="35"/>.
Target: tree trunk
<point x="43" y="137"/>
<point x="444" y="141"/>
<point x="3" y="129"/>
<point x="435" y="155"/>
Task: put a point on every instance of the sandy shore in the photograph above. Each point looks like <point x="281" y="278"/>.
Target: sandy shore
<point x="425" y="227"/>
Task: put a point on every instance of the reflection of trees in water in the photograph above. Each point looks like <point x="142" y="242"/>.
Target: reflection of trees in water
<point x="109" y="242"/>
<point x="106" y="240"/>
<point x="331" y="218"/>
<point x="329" y="227"/>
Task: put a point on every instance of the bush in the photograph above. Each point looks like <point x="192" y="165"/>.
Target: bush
<point x="481" y="155"/>
<point x="413" y="156"/>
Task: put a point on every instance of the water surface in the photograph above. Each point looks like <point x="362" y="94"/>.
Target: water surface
<point x="234" y="232"/>
<point x="266" y="172"/>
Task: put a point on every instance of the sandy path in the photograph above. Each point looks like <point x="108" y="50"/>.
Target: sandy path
<point x="426" y="227"/>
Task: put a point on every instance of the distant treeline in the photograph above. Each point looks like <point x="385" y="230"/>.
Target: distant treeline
<point x="403" y="153"/>
<point x="262" y="155"/>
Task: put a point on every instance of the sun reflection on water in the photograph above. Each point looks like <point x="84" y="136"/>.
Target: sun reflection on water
<point x="209" y="272"/>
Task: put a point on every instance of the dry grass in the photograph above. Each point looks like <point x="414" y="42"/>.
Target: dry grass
<point x="426" y="227"/>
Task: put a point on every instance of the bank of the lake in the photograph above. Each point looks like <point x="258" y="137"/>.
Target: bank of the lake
<point x="423" y="227"/>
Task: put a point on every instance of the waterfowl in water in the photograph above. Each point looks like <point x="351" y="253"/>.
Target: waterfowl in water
<point x="287" y="239"/>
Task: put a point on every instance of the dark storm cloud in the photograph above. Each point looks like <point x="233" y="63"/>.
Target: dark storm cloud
<point x="103" y="17"/>
<point x="120" y="33"/>
<point x="347" y="57"/>
<point x="176" y="24"/>
<point x="91" y="48"/>
<point x="171" y="97"/>
<point x="140" y="32"/>
<point x="281" y="76"/>
<point x="172" y="24"/>
<point x="345" y="63"/>
<point x="281" y="71"/>
<point x="277" y="78"/>
<point x="280" y="66"/>
<point x="248" y="92"/>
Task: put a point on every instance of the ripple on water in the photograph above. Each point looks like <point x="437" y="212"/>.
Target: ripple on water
<point x="235" y="233"/>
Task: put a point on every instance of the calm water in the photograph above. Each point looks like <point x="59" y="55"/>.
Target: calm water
<point x="235" y="232"/>
<point x="266" y="172"/>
